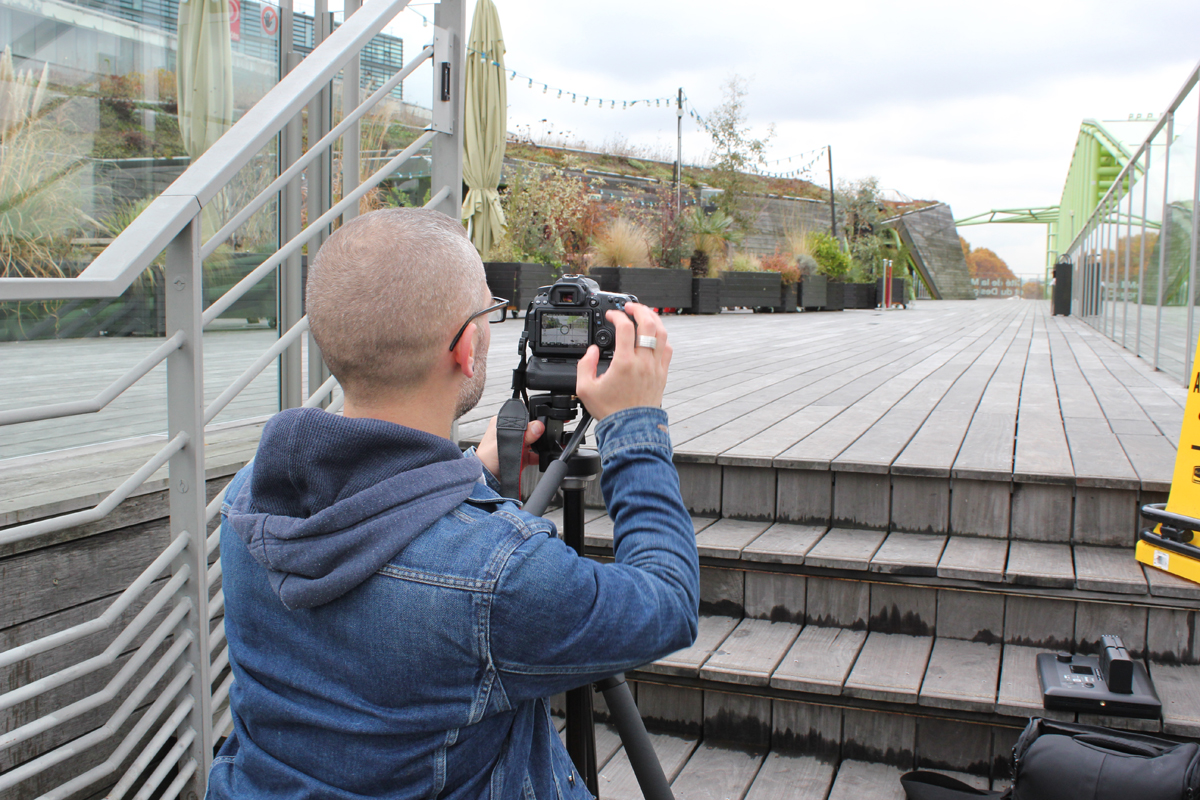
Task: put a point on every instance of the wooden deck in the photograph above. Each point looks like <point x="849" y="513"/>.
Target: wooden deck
<point x="987" y="418"/>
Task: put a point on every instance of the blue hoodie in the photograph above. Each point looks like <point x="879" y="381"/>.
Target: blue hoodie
<point x="395" y="626"/>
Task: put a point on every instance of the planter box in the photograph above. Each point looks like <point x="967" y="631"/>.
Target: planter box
<point x="749" y="289"/>
<point x="812" y="292"/>
<point x="518" y="282"/>
<point x="706" y="296"/>
<point x="657" y="288"/>
<point x="787" y="298"/>
<point x="835" y="296"/>
<point x="860" y="295"/>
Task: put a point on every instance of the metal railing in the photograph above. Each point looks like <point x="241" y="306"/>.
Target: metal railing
<point x="1135" y="257"/>
<point x="172" y="689"/>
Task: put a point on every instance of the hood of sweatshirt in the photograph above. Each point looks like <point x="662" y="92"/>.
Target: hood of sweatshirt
<point x="331" y="500"/>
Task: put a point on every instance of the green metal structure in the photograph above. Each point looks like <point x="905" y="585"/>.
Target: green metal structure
<point x="1096" y="163"/>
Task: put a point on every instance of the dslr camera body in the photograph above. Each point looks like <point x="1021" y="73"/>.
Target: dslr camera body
<point x="563" y="320"/>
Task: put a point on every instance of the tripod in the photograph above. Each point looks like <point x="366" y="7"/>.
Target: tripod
<point x="571" y="470"/>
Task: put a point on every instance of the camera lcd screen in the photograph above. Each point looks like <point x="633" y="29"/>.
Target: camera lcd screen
<point x="1080" y="669"/>
<point x="564" y="329"/>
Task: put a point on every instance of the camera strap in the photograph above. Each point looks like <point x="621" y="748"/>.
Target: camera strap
<point x="510" y="444"/>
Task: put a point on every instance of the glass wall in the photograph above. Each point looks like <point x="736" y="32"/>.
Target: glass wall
<point x="1135" y="259"/>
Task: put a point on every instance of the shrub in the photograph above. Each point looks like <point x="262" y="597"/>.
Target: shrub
<point x="832" y="262"/>
<point x="622" y="243"/>
<point x="789" y="271"/>
<point x="549" y="217"/>
<point x="743" y="262"/>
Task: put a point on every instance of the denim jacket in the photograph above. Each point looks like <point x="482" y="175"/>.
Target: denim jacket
<point x="415" y="659"/>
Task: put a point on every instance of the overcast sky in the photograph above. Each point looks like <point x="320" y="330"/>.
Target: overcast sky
<point x="977" y="105"/>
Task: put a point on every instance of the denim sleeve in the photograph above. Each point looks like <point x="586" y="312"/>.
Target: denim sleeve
<point x="560" y="621"/>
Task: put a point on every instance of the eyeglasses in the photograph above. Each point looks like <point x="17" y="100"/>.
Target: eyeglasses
<point x="496" y="312"/>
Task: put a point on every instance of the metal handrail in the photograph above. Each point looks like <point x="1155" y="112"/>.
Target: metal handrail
<point x="189" y="611"/>
<point x="310" y="155"/>
<point x="110" y="615"/>
<point x="299" y="240"/>
<point x="108" y="656"/>
<point x="262" y="362"/>
<point x="111" y="726"/>
<point x="133" y="249"/>
<point x="104" y="507"/>
<point x="1163" y="118"/>
<point x="115" y="498"/>
<point x="115" y="722"/>
<point x="168" y="762"/>
<point x="109" y="692"/>
<point x="151" y="749"/>
<point x="114" y="390"/>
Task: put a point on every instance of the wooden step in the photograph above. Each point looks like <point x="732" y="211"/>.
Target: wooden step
<point x="747" y="666"/>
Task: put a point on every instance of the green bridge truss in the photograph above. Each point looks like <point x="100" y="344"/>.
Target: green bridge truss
<point x="1098" y="159"/>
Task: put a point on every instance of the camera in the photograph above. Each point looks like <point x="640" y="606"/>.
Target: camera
<point x="562" y="322"/>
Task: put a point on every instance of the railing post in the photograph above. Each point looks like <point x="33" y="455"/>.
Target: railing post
<point x="319" y="177"/>
<point x="1163" y="229"/>
<point x="447" y="162"/>
<point x="186" y="489"/>
<point x="291" y="288"/>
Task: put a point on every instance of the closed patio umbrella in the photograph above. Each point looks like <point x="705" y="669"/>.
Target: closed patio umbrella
<point x="204" y="73"/>
<point x="485" y="127"/>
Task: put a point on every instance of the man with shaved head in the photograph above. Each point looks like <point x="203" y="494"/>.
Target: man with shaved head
<point x="395" y="626"/>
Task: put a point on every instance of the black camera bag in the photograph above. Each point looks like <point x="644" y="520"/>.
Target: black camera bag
<point x="1064" y="761"/>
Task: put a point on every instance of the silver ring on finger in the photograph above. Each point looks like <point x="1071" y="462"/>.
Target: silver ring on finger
<point x="647" y="341"/>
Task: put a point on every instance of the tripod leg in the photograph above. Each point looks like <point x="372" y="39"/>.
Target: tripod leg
<point x="641" y="753"/>
<point x="581" y="736"/>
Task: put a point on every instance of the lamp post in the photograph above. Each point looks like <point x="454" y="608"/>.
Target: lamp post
<point x="887" y="283"/>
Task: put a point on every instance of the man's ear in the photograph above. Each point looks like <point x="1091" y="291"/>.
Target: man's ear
<point x="464" y="352"/>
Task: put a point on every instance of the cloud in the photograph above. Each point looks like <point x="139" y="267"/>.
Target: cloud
<point x="974" y="104"/>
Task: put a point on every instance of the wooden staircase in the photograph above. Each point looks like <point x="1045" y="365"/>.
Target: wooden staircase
<point x="835" y="648"/>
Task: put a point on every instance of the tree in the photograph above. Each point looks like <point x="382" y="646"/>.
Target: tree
<point x="985" y="264"/>
<point x="735" y="151"/>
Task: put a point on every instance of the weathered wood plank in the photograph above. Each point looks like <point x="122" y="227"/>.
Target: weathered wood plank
<point x="783" y="543"/>
<point x="725" y="538"/>
<point x="1020" y="694"/>
<point x="845" y="548"/>
<point x="1040" y="564"/>
<point x="750" y="654"/>
<point x="859" y="780"/>
<point x="889" y="667"/>
<point x="1179" y="690"/>
<point x="1108" y="569"/>
<point x="776" y="596"/>
<point x="717" y="773"/>
<point x="819" y="660"/>
<point x="973" y="616"/>
<point x="909" y="554"/>
<point x="616" y="779"/>
<point x="1164" y="584"/>
<point x="789" y="777"/>
<point x="687" y="662"/>
<point x="961" y="675"/>
<point x="974" y="559"/>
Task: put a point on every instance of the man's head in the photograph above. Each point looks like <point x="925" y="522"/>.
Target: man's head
<point x="386" y="294"/>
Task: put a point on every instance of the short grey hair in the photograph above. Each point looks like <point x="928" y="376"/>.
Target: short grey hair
<point x="386" y="294"/>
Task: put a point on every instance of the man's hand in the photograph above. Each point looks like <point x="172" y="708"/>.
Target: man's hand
<point x="637" y="375"/>
<point x="489" y="454"/>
